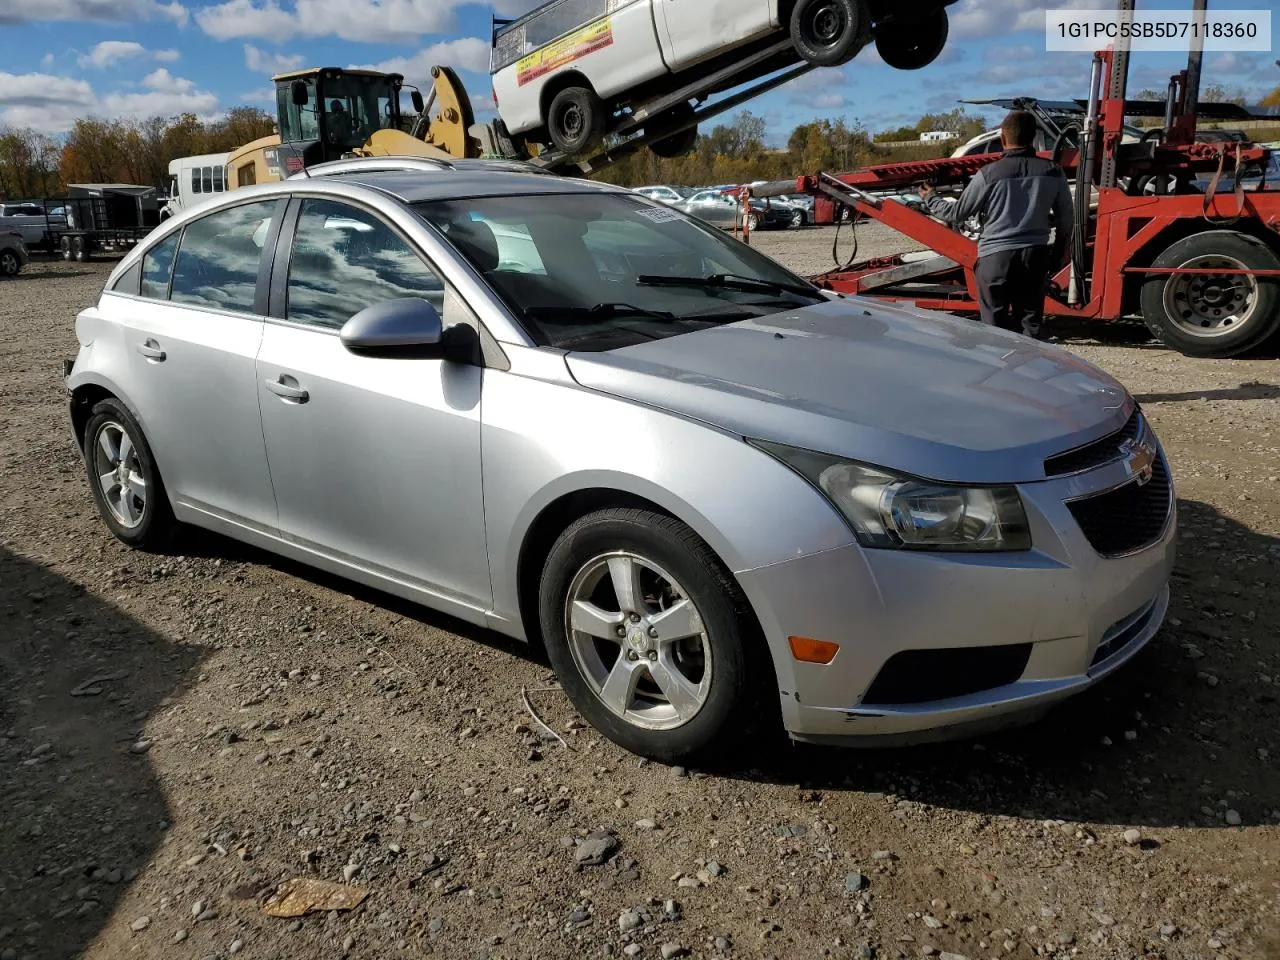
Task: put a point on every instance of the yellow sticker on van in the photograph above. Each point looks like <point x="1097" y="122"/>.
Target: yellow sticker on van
<point x="592" y="37"/>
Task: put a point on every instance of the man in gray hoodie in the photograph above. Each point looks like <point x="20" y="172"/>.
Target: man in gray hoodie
<point x="1017" y="200"/>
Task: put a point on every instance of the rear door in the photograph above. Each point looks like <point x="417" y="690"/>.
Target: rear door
<point x="375" y="461"/>
<point x="693" y="30"/>
<point x="193" y="334"/>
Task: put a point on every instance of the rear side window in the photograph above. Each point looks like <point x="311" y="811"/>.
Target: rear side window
<point x="218" y="258"/>
<point x="157" y="268"/>
<point x="217" y="180"/>
<point x="206" y="179"/>
<point x="345" y="259"/>
<point x="195" y="180"/>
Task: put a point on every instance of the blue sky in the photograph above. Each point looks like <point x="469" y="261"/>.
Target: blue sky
<point x="60" y="59"/>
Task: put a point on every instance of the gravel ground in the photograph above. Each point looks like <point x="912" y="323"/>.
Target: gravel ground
<point x="179" y="734"/>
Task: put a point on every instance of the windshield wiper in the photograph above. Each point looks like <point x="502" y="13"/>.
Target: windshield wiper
<point x="602" y="311"/>
<point x="728" y="281"/>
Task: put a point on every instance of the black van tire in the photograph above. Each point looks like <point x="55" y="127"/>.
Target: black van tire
<point x="677" y="144"/>
<point x="1165" y="294"/>
<point x="830" y="33"/>
<point x="911" y="42"/>
<point x="576" y="120"/>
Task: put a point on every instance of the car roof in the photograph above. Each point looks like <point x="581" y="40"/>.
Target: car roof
<point x="425" y="180"/>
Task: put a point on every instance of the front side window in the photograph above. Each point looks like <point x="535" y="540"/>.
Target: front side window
<point x="345" y="259"/>
<point x="217" y="180"/>
<point x="206" y="179"/>
<point x="598" y="271"/>
<point x="218" y="258"/>
<point x="157" y="268"/>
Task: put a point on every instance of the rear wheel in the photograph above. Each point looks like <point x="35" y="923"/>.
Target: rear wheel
<point x="753" y="222"/>
<point x="829" y="33"/>
<point x="80" y="249"/>
<point x="576" y="120"/>
<point x="648" y="634"/>
<point x="64" y="248"/>
<point x="9" y="263"/>
<point x="910" y="42"/>
<point x="677" y="144"/>
<point x="1210" y="314"/>
<point x="126" y="484"/>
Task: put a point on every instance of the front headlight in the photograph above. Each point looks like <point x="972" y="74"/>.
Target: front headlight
<point x="894" y="511"/>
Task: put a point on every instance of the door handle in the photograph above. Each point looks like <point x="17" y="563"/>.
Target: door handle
<point x="151" y="350"/>
<point x="288" y="390"/>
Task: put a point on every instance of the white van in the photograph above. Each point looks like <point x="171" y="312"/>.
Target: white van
<point x="192" y="179"/>
<point x="569" y="70"/>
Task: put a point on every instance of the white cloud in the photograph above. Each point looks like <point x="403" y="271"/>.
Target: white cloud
<point x="101" y="11"/>
<point x="262" y="61"/>
<point x="465" y="53"/>
<point x="391" y="21"/>
<point x="162" y="80"/>
<point x="990" y="18"/>
<point x="47" y="60"/>
<point x="51" y="104"/>
<point x="110" y="52"/>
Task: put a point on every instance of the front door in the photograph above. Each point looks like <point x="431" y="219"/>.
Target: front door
<point x="697" y="29"/>
<point x="375" y="461"/>
<point x="193" y="335"/>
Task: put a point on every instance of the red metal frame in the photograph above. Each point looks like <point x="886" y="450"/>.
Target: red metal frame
<point x="1124" y="226"/>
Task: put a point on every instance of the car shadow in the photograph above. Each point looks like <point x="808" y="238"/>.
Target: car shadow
<point x="1246" y="391"/>
<point x="1174" y="737"/>
<point x="83" y="808"/>
<point x="1178" y="736"/>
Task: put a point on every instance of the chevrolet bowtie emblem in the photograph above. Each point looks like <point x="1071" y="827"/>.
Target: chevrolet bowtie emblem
<point x="1139" y="460"/>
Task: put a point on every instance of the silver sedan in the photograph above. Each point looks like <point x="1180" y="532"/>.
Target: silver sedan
<point x="722" y="498"/>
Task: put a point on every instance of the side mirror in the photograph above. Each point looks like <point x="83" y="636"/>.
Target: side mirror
<point x="298" y="91"/>
<point x="415" y="97"/>
<point x="410" y="327"/>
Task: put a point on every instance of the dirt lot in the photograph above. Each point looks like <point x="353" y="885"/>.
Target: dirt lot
<point x="251" y="721"/>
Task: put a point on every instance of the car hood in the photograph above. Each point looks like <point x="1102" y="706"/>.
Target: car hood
<point x="925" y="393"/>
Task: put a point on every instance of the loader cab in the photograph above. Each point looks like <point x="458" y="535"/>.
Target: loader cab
<point x="328" y="113"/>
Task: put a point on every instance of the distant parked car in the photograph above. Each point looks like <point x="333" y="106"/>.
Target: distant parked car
<point x="798" y="206"/>
<point x="672" y="195"/>
<point x="13" y="253"/>
<point x="724" y="210"/>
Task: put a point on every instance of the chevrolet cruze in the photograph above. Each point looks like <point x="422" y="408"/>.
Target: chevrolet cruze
<point x="718" y="495"/>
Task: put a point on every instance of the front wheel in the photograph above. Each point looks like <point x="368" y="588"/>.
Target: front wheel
<point x="798" y="218"/>
<point x="9" y="263"/>
<point x="830" y="33"/>
<point x="1208" y="314"/>
<point x="909" y="43"/>
<point x="753" y="222"/>
<point x="576" y="120"/>
<point x="649" y="636"/>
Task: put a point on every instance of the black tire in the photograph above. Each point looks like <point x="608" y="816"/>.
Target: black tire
<point x="83" y="250"/>
<point x="10" y="263"/>
<point x="737" y="698"/>
<point x="830" y="33"/>
<point x="576" y="120"/>
<point x="156" y="526"/>
<point x="753" y="221"/>
<point x="677" y="144"/>
<point x="798" y="219"/>
<point x="64" y="248"/>
<point x="910" y="42"/>
<point x="1173" y="308"/>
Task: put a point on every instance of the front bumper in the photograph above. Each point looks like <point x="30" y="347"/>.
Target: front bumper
<point x="1079" y="616"/>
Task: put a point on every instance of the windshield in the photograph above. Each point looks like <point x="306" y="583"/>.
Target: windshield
<point x="353" y="107"/>
<point x="596" y="271"/>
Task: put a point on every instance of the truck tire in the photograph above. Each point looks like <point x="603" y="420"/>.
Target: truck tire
<point x="677" y="144"/>
<point x="9" y="263"/>
<point x="910" y="42"/>
<point x="1215" y="315"/>
<point x="829" y="33"/>
<point x="576" y="120"/>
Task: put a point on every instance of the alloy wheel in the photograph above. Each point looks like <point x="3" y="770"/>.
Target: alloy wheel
<point x="638" y="640"/>
<point x="119" y="472"/>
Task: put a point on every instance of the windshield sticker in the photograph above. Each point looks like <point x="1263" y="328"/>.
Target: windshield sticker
<point x="592" y="37"/>
<point x="659" y="214"/>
